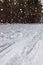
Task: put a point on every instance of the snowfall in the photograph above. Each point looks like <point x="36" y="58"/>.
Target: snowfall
<point x="21" y="44"/>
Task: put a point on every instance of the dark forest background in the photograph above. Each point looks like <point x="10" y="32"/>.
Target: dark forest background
<point x="20" y="11"/>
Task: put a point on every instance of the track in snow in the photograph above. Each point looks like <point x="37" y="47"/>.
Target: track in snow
<point x="19" y="39"/>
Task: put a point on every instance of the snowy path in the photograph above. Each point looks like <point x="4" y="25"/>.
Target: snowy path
<point x="21" y="44"/>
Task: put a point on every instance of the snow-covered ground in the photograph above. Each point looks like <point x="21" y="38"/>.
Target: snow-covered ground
<point x="21" y="44"/>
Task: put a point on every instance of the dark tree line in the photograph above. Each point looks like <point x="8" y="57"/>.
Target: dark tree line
<point x="20" y="11"/>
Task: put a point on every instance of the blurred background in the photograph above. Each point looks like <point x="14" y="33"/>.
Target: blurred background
<point x="21" y="11"/>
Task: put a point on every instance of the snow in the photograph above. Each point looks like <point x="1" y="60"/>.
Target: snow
<point x="21" y="44"/>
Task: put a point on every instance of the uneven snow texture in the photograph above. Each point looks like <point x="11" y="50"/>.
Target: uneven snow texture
<point x="21" y="44"/>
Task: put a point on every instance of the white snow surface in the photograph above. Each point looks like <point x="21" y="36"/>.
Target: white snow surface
<point x="21" y="44"/>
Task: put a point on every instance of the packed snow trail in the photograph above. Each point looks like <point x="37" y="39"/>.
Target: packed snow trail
<point x="19" y="41"/>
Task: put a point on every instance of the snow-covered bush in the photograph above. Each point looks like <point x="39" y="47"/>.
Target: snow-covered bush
<point x="20" y="11"/>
